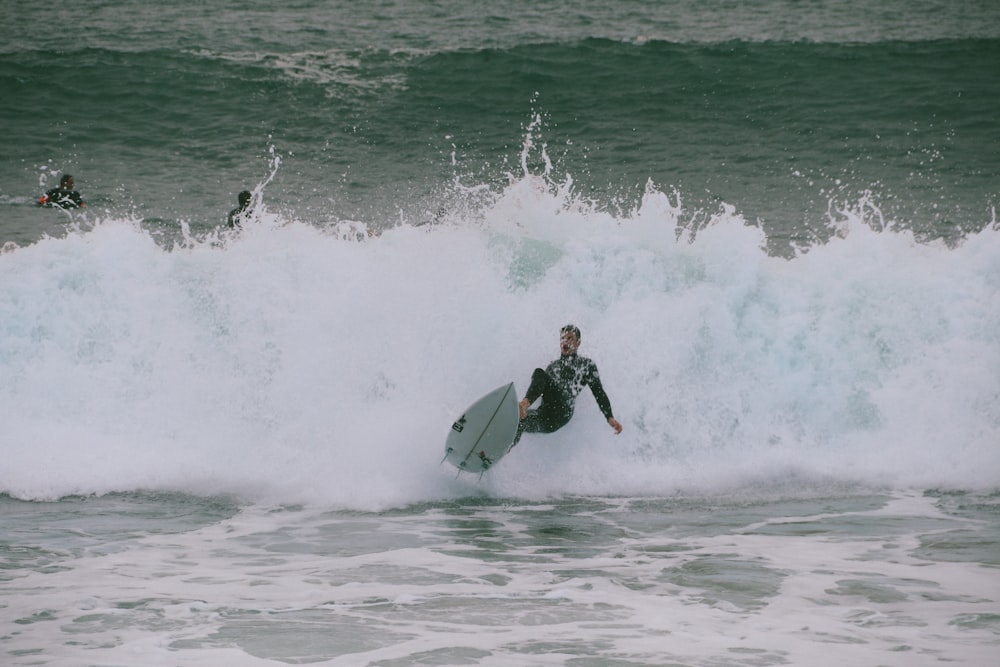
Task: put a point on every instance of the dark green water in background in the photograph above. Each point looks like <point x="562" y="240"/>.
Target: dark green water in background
<point x="782" y="111"/>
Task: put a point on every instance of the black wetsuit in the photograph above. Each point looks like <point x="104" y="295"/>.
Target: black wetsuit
<point x="62" y="198"/>
<point x="558" y="386"/>
<point x="236" y="217"/>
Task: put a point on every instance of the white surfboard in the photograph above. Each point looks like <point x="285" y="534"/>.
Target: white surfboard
<point x="484" y="432"/>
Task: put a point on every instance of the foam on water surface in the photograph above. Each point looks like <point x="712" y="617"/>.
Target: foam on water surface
<point x="591" y="580"/>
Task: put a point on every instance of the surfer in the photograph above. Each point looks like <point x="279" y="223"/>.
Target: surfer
<point x="238" y="214"/>
<point x="64" y="197"/>
<point x="558" y="385"/>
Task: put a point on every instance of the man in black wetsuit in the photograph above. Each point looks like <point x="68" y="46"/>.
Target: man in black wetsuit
<point x="558" y="386"/>
<point x="238" y="214"/>
<point x="64" y="196"/>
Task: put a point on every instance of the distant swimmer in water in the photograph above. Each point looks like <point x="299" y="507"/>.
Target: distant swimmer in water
<point x="558" y="385"/>
<point x="64" y="197"/>
<point x="239" y="214"/>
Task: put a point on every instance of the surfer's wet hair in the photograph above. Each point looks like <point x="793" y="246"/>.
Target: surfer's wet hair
<point x="571" y="328"/>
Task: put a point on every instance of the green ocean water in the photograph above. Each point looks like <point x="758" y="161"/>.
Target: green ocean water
<point x="379" y="114"/>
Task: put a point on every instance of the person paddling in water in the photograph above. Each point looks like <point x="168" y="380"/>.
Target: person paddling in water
<point x="64" y="197"/>
<point x="558" y="385"/>
<point x="241" y="212"/>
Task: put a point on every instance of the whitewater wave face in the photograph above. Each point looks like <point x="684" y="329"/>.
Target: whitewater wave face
<point x="294" y="362"/>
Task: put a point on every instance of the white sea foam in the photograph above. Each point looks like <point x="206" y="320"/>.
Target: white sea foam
<point x="295" y="363"/>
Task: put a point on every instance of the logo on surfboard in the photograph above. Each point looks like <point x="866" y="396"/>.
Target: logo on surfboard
<point x="459" y="425"/>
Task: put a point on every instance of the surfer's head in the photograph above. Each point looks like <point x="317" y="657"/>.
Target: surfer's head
<point x="66" y="182"/>
<point x="569" y="339"/>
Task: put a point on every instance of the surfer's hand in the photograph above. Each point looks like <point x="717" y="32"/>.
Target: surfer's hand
<point x="522" y="408"/>
<point x="615" y="424"/>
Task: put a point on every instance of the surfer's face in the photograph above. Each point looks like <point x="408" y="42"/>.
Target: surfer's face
<point x="568" y="343"/>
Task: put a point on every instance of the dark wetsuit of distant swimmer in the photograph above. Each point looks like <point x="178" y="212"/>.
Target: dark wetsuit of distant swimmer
<point x="64" y="196"/>
<point x="238" y="214"/>
<point x="558" y="386"/>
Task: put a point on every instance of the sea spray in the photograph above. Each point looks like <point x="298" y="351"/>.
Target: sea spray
<point x="306" y="364"/>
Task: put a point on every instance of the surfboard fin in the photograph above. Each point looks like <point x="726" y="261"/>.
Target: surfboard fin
<point x="486" y="461"/>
